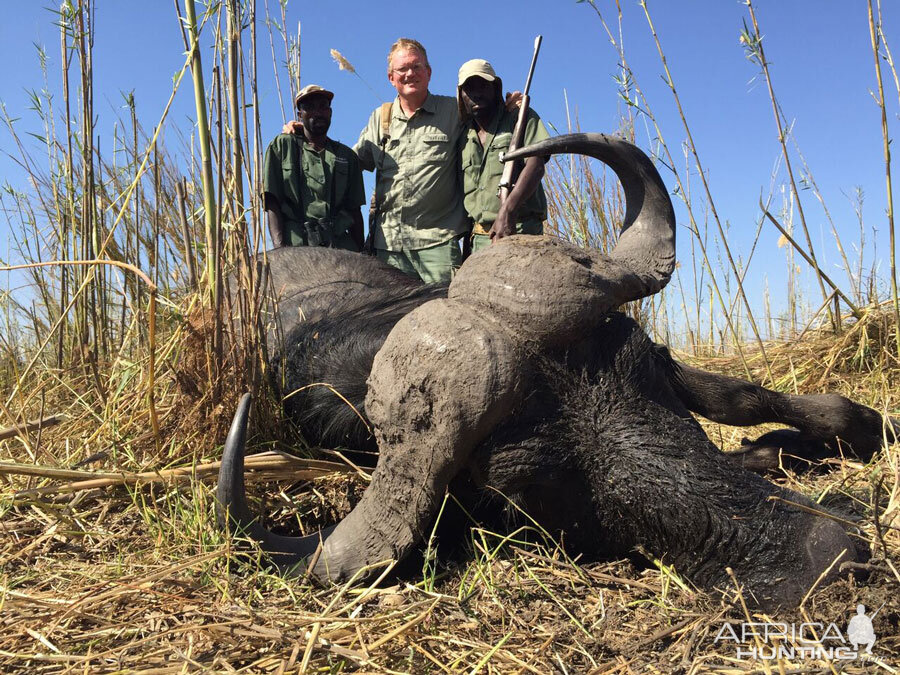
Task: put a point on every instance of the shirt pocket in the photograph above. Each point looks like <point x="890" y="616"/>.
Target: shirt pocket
<point x="436" y="147"/>
<point x="502" y="141"/>
<point x="291" y="173"/>
<point x="313" y="173"/>
<point x="341" y="174"/>
<point x="471" y="169"/>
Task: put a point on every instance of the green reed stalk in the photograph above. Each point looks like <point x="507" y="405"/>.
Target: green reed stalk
<point x="203" y="138"/>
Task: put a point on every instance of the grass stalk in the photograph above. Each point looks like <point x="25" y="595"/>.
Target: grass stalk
<point x="186" y="237"/>
<point x="269" y="23"/>
<point x="754" y="44"/>
<point x="204" y="141"/>
<point x="237" y="174"/>
<point x="86" y="310"/>
<point x="67" y="217"/>
<point x="886" y="145"/>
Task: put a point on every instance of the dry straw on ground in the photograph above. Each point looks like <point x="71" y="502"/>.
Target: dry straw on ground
<point x="128" y="573"/>
<point x="110" y="561"/>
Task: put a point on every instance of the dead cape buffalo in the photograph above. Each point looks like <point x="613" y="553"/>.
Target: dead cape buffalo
<point x="522" y="376"/>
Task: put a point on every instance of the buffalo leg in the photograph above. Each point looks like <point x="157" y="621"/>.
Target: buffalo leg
<point x="822" y="419"/>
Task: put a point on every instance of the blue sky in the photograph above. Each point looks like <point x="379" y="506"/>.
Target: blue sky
<point x="819" y="51"/>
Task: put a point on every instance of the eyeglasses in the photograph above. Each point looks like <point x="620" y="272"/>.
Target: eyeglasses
<point x="415" y="68"/>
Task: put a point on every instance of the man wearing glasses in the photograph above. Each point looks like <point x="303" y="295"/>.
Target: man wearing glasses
<point x="418" y="215"/>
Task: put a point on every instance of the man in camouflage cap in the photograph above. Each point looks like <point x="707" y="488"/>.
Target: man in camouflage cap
<point x="489" y="129"/>
<point x="313" y="185"/>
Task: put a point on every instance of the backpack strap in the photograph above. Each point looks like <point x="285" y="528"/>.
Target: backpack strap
<point x="385" y="122"/>
<point x="375" y="202"/>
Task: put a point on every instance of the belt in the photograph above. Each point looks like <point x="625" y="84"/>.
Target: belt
<point x="478" y="228"/>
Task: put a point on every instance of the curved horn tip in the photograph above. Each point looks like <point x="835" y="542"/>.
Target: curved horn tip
<point x="233" y="514"/>
<point x="230" y="486"/>
<point x="238" y="430"/>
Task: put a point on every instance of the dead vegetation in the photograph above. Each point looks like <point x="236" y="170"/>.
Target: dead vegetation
<point x="109" y="558"/>
<point x="127" y="573"/>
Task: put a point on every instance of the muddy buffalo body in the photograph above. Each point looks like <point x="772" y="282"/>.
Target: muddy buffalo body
<point x="520" y="381"/>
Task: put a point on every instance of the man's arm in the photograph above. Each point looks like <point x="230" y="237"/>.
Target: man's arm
<point x="273" y="186"/>
<point x="527" y="183"/>
<point x="367" y="144"/>
<point x="354" y="198"/>
<point x="276" y="222"/>
<point x="356" y="229"/>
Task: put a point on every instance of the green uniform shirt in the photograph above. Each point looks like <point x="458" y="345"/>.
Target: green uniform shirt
<point x="418" y="183"/>
<point x="312" y="185"/>
<point x="482" y="170"/>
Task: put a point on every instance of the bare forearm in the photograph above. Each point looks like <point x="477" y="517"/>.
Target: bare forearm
<point x="276" y="228"/>
<point x="525" y="186"/>
<point x="356" y="229"/>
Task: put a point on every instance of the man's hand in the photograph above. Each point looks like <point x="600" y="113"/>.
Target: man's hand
<point x="292" y="127"/>
<point x="502" y="227"/>
<point x="513" y="100"/>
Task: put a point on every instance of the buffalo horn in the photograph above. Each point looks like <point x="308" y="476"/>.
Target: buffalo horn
<point x="233" y="514"/>
<point x="647" y="240"/>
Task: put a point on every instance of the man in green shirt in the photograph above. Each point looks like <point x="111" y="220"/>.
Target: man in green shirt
<point x="313" y="185"/>
<point x="489" y="128"/>
<point x="418" y="190"/>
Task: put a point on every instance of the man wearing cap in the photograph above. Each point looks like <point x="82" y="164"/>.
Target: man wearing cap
<point x="489" y="129"/>
<point x="419" y="214"/>
<point x="313" y="186"/>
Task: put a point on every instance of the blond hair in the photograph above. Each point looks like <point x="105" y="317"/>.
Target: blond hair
<point x="407" y="44"/>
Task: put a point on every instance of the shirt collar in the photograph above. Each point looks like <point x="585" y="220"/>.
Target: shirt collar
<point x="428" y="106"/>
<point x="492" y="126"/>
<point x="325" y="146"/>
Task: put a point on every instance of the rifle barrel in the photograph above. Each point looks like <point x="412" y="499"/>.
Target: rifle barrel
<point x="537" y="48"/>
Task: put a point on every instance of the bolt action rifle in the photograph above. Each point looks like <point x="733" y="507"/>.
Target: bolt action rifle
<point x="511" y="170"/>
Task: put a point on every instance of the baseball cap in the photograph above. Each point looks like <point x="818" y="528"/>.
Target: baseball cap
<point x="311" y="89"/>
<point x="476" y="68"/>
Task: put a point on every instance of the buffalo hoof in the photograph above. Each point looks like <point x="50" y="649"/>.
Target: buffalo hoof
<point x="781" y="449"/>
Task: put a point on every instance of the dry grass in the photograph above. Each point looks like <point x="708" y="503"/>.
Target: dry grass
<point x="134" y="577"/>
<point x="110" y="560"/>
